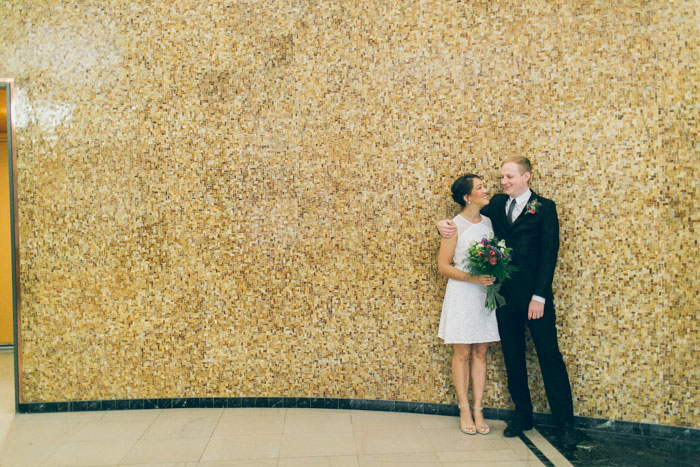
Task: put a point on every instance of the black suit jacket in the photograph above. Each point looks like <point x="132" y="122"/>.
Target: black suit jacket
<point x="534" y="239"/>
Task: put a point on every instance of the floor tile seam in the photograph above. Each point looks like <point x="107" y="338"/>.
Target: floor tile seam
<point x="175" y="438"/>
<point x="323" y="455"/>
<point x="547" y="446"/>
<point x="487" y="463"/>
<point x="55" y="447"/>
<point x="358" y="441"/>
<point x="45" y="462"/>
<point x="211" y="436"/>
<point x="358" y="445"/>
<point x="280" y="458"/>
<point x="284" y="423"/>
<point x="13" y="439"/>
<point x="345" y="431"/>
<point x="236" y="459"/>
<point x="492" y="437"/>
<point x="47" y="457"/>
<point x="180" y="435"/>
<point x="106" y="438"/>
<point x="78" y="426"/>
<point x="507" y="449"/>
<point x="535" y="450"/>
<point x="218" y="423"/>
<point x="244" y="435"/>
<point x="175" y="414"/>
<point x="150" y="425"/>
<point x="121" y="460"/>
<point x="430" y="440"/>
<point x="353" y="447"/>
<point x="384" y="429"/>
<point x="159" y="461"/>
<point x="67" y="435"/>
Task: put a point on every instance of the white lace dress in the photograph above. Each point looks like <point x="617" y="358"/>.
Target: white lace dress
<point x="464" y="318"/>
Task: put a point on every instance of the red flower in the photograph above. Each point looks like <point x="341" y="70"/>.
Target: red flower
<point x="493" y="260"/>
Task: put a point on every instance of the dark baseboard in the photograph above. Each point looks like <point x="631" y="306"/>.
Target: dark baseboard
<point x="586" y="423"/>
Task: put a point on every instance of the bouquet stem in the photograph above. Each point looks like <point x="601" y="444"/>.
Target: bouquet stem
<point x="493" y="298"/>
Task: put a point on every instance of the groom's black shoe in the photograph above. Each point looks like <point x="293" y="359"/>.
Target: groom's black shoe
<point x="517" y="426"/>
<point x="569" y="437"/>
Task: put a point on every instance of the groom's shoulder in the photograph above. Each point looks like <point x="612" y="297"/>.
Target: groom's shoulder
<point x="499" y="196"/>
<point x="548" y="205"/>
<point x="543" y="199"/>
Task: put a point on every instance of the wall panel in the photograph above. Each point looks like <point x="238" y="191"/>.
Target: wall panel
<point x="239" y="198"/>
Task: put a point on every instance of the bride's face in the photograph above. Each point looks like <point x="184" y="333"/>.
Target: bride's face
<point x="479" y="195"/>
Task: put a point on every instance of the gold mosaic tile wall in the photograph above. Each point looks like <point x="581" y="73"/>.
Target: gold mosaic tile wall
<point x="232" y="198"/>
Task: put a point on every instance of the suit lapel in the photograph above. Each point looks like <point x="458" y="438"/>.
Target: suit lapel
<point x="501" y="211"/>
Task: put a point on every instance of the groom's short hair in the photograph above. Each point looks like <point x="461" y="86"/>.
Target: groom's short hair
<point x="522" y="161"/>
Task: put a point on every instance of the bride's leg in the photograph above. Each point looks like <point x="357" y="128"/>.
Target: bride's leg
<point x="460" y="377"/>
<point x="478" y="371"/>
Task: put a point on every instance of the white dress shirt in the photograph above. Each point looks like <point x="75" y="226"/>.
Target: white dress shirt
<point x="520" y="203"/>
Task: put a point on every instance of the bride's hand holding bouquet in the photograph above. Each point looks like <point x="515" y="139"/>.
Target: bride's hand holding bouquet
<point x="482" y="279"/>
<point x="490" y="258"/>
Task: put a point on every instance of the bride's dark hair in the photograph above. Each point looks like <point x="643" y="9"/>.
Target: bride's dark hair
<point x="462" y="187"/>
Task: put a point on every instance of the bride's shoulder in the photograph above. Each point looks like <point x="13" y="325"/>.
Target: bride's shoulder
<point x="486" y="220"/>
<point x="461" y="224"/>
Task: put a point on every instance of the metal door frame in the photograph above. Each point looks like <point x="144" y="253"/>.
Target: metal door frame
<point x="9" y="85"/>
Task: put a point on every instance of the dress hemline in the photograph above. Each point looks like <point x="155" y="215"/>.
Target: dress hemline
<point x="482" y="342"/>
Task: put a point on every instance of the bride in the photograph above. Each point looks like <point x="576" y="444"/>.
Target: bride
<point x="465" y="321"/>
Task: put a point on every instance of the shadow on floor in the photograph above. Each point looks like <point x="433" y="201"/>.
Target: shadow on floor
<point x="607" y="449"/>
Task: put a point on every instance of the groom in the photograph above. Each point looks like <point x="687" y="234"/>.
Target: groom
<point x="529" y="225"/>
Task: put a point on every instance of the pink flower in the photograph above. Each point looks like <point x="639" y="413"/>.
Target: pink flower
<point x="493" y="260"/>
<point x="533" y="206"/>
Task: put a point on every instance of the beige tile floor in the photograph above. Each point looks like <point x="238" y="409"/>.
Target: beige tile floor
<point x="249" y="437"/>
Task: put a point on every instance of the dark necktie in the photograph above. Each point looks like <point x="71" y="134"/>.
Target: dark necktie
<point x="509" y="216"/>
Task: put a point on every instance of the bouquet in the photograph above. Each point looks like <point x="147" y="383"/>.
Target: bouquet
<point x="491" y="256"/>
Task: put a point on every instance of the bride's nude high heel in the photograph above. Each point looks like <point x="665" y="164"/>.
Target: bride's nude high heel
<point x="482" y="429"/>
<point x="469" y="429"/>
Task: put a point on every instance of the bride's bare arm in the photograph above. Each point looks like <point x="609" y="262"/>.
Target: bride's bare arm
<point x="445" y="255"/>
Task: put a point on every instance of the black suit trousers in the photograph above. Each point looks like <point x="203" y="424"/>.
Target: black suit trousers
<point x="512" y="319"/>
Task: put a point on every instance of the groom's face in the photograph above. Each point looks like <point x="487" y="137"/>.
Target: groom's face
<point x="514" y="183"/>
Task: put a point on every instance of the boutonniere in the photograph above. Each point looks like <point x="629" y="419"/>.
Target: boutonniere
<point x="532" y="207"/>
